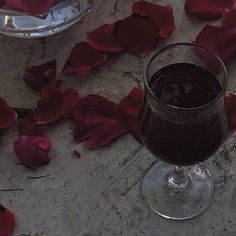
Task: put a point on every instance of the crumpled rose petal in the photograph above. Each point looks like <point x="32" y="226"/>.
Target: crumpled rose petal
<point x="229" y="19"/>
<point x="32" y="151"/>
<point x="220" y="40"/>
<point x="8" y="115"/>
<point x="55" y="103"/>
<point x="83" y="59"/>
<point x="76" y="153"/>
<point x="208" y="9"/>
<point x="29" y="126"/>
<point x="230" y="108"/>
<point x="7" y="221"/>
<point x="161" y="16"/>
<point x="137" y="34"/>
<point x="103" y="39"/>
<point x="33" y="7"/>
<point x="129" y="109"/>
<point x="96" y="121"/>
<point x="38" y="76"/>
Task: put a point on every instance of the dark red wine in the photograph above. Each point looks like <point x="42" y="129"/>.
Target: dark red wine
<point x="183" y="137"/>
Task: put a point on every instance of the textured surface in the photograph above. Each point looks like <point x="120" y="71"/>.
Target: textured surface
<point x="99" y="194"/>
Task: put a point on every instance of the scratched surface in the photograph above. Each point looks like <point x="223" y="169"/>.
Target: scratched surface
<point x="99" y="194"/>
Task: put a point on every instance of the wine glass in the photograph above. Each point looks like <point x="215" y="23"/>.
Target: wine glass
<point x="182" y="122"/>
<point x="62" y="15"/>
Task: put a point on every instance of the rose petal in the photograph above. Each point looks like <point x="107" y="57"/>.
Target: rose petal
<point x="229" y="19"/>
<point x="7" y="221"/>
<point x="83" y="59"/>
<point x="219" y="39"/>
<point x="137" y="34"/>
<point x="103" y="39"/>
<point x="55" y="103"/>
<point x="29" y="126"/>
<point x="33" y="7"/>
<point x="161" y="16"/>
<point x="76" y="153"/>
<point x="32" y="151"/>
<point x="38" y="76"/>
<point x="129" y="109"/>
<point x="230" y="108"/>
<point x="8" y="115"/>
<point x="208" y="9"/>
<point x="43" y="142"/>
<point x="96" y="121"/>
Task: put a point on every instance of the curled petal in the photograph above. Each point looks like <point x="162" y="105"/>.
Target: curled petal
<point x="83" y="59"/>
<point x="129" y="109"/>
<point x="8" y="115"/>
<point x="96" y="121"/>
<point x="208" y="9"/>
<point x="221" y="40"/>
<point x="161" y="16"/>
<point x="55" y="103"/>
<point x="103" y="39"/>
<point x="230" y="108"/>
<point x="33" y="7"/>
<point x="7" y="221"/>
<point x="38" y="76"/>
<point x="32" y="151"/>
<point x="137" y="34"/>
<point x="43" y="142"/>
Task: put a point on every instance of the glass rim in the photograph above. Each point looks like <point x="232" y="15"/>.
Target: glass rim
<point x="158" y="52"/>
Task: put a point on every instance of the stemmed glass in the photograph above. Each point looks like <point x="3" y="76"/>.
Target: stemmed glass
<point x="182" y="122"/>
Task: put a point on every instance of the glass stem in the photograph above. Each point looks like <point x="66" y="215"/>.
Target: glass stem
<point x="178" y="180"/>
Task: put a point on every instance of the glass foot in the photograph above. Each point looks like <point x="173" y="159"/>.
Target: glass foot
<point x="177" y="204"/>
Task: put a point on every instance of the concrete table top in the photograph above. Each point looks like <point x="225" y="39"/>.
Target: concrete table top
<point x="99" y="194"/>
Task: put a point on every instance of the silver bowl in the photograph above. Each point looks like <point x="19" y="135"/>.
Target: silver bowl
<point x="61" y="16"/>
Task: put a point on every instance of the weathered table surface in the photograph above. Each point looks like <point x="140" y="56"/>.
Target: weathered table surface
<point x="100" y="194"/>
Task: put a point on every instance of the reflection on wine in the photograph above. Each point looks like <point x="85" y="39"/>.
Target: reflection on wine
<point x="183" y="137"/>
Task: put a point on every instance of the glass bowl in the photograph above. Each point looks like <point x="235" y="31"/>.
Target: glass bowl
<point x="61" y="16"/>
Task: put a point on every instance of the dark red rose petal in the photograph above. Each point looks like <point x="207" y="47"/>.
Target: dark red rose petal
<point x="96" y="121"/>
<point x="8" y="115"/>
<point x="129" y="109"/>
<point x="83" y="59"/>
<point x="76" y="153"/>
<point x="29" y="126"/>
<point x="208" y="9"/>
<point x="137" y="34"/>
<point x="55" y="103"/>
<point x="161" y="16"/>
<point x="43" y="142"/>
<point x="219" y="39"/>
<point x="32" y="151"/>
<point x="103" y="39"/>
<point x="33" y="7"/>
<point x="38" y="76"/>
<point x="230" y="108"/>
<point x="7" y="221"/>
<point x="229" y="19"/>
